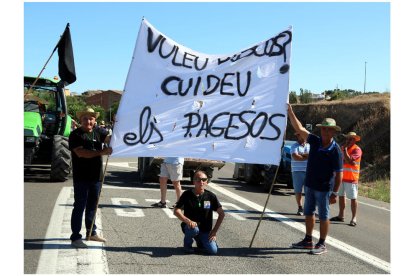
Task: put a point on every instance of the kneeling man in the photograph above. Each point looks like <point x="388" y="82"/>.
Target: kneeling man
<point x="198" y="205"/>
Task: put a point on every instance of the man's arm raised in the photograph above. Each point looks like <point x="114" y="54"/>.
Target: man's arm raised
<point x="296" y="124"/>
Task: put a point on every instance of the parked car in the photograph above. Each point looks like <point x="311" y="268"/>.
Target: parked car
<point x="264" y="174"/>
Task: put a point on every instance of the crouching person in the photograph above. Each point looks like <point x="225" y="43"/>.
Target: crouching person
<point x="198" y="205"/>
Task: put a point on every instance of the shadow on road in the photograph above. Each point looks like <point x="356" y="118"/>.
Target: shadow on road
<point x="37" y="173"/>
<point x="130" y="179"/>
<point x="161" y="252"/>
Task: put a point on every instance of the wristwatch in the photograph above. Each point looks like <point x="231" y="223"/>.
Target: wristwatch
<point x="335" y="193"/>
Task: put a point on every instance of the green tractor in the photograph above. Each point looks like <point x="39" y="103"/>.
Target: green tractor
<point x="47" y="126"/>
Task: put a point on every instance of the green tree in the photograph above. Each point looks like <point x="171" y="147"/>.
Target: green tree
<point x="305" y="96"/>
<point x="293" y="98"/>
<point x="75" y="104"/>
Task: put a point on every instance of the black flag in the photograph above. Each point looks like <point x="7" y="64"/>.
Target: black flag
<point x="66" y="63"/>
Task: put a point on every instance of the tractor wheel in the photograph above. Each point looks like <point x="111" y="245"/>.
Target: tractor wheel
<point x="61" y="164"/>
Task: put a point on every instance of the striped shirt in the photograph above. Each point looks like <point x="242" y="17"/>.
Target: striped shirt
<point x="299" y="166"/>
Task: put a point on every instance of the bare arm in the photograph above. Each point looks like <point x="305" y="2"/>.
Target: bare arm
<point x="296" y="124"/>
<point x="348" y="159"/>
<point x="213" y="232"/>
<point x="338" y="182"/>
<point x="179" y="214"/>
<point x="299" y="157"/>
<point x="85" y="153"/>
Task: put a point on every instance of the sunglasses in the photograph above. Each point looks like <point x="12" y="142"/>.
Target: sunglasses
<point x="201" y="179"/>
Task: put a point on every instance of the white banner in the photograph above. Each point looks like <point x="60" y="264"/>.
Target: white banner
<point x="178" y="102"/>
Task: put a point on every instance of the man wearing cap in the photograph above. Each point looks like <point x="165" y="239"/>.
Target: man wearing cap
<point x="352" y="161"/>
<point x="323" y="179"/>
<point x="86" y="145"/>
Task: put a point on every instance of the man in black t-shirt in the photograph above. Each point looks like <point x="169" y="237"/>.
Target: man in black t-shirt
<point x="198" y="205"/>
<point x="86" y="145"/>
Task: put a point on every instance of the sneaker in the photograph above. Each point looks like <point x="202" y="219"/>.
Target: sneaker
<point x="300" y="211"/>
<point x="304" y="244"/>
<point x="160" y="205"/>
<point x="189" y="250"/>
<point x="79" y="244"/>
<point x="96" y="238"/>
<point x="319" y="249"/>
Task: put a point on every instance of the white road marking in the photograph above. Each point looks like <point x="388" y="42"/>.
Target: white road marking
<point x="126" y="165"/>
<point x="130" y="210"/>
<point x="377" y="262"/>
<point x="373" y="206"/>
<point x="57" y="256"/>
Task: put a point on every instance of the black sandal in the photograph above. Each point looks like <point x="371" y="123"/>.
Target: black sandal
<point x="337" y="219"/>
<point x="352" y="223"/>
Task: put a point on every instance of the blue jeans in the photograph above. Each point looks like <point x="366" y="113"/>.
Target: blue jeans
<point x="298" y="179"/>
<point x="315" y="198"/>
<point x="86" y="198"/>
<point x="201" y="239"/>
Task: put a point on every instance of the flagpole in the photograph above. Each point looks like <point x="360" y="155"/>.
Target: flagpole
<point x="264" y="208"/>
<point x="99" y="195"/>
<point x="268" y="196"/>
<point x="44" y="66"/>
<point x="97" y="202"/>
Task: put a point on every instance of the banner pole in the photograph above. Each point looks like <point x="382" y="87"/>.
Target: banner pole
<point x="268" y="195"/>
<point x="264" y="208"/>
<point x="97" y="202"/>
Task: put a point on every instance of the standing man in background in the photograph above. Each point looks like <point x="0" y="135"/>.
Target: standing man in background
<point x="299" y="152"/>
<point x="352" y="162"/>
<point x="171" y="168"/>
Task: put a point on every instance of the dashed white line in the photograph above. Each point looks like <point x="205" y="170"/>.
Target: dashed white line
<point x="58" y="257"/>
<point x="377" y="262"/>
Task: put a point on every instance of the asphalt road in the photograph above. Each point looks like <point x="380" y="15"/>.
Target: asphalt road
<point x="146" y="240"/>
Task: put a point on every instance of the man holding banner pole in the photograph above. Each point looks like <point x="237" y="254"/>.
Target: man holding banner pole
<point x="86" y="145"/>
<point x="323" y="179"/>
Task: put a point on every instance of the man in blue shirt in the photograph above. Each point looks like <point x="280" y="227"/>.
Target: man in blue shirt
<point x="323" y="179"/>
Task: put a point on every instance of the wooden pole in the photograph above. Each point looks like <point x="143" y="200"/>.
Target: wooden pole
<point x="44" y="66"/>
<point x="264" y="208"/>
<point x="97" y="202"/>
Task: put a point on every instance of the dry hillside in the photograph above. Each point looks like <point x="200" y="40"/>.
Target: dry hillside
<point x="368" y="116"/>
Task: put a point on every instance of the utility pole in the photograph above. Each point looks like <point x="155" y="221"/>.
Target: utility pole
<point x="365" y="78"/>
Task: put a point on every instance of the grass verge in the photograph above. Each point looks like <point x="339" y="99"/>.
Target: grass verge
<point x="378" y="190"/>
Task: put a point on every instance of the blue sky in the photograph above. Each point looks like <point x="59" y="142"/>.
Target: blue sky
<point x="331" y="41"/>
